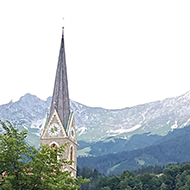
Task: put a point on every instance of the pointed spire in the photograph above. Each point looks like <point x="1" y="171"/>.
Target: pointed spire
<point x="60" y="99"/>
<point x="62" y="31"/>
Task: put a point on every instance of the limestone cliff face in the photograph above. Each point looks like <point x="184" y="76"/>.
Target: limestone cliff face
<point x="95" y="124"/>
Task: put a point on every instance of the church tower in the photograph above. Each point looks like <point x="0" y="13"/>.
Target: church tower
<point x="60" y="125"/>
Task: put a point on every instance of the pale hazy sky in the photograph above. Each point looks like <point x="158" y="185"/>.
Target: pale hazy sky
<point x="119" y="53"/>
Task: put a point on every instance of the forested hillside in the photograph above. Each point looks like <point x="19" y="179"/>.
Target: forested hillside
<point x="173" y="148"/>
<point x="173" y="177"/>
<point x="118" y="145"/>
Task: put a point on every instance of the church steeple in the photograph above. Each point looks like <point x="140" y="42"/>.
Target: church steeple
<point x="60" y="99"/>
<point x="60" y="127"/>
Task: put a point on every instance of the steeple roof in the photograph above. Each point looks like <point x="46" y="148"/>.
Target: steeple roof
<point x="60" y="99"/>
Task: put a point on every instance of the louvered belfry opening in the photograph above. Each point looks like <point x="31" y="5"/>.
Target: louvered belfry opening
<point x="71" y="153"/>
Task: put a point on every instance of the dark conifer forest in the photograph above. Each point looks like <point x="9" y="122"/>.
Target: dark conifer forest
<point x="172" y="177"/>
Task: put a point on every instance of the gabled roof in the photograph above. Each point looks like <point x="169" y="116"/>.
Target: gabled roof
<point x="60" y="99"/>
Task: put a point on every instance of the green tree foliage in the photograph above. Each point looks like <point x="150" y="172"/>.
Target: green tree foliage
<point x="23" y="167"/>
<point x="150" y="169"/>
<point x="174" y="177"/>
<point x="105" y="188"/>
<point x="94" y="176"/>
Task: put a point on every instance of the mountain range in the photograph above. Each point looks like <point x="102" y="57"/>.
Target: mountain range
<point x="103" y="131"/>
<point x="98" y="124"/>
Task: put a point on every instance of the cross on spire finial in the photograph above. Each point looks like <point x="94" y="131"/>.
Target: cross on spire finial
<point x="63" y="26"/>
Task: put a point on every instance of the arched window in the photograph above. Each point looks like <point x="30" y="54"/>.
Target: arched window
<point x="54" y="154"/>
<point x="53" y="145"/>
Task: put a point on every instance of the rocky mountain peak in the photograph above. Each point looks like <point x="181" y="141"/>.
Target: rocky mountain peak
<point x="95" y="124"/>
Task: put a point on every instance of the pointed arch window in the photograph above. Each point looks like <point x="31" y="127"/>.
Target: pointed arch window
<point x="54" y="154"/>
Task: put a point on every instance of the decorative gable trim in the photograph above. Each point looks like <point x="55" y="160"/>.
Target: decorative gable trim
<point x="50" y="122"/>
<point x="70" y="121"/>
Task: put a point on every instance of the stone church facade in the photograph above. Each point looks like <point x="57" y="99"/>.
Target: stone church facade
<point x="60" y="124"/>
